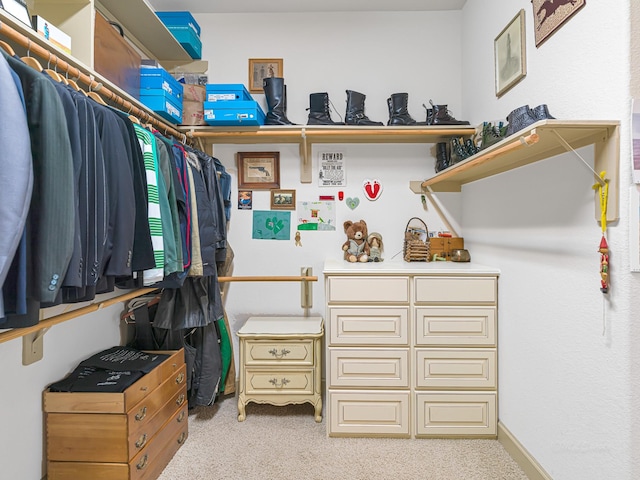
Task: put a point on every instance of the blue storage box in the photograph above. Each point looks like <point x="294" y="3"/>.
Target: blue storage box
<point x="227" y="91"/>
<point x="238" y="113"/>
<point x="187" y="37"/>
<point x="152" y="79"/>
<point x="179" y="19"/>
<point x="163" y="104"/>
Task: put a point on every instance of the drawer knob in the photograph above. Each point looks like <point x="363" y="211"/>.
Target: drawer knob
<point x="180" y="378"/>
<point x="180" y="399"/>
<point x="182" y="438"/>
<point x="141" y="441"/>
<point x="143" y="462"/>
<point x="141" y="414"/>
<point x="283" y="352"/>
<point x="181" y="416"/>
<point x="283" y="382"/>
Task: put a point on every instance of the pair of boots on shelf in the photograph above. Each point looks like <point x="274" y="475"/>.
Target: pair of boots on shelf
<point x="320" y="113"/>
<point x="491" y="134"/>
<point x="524" y="116"/>
<point x="454" y="151"/>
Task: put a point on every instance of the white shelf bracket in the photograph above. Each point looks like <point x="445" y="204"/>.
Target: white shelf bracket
<point x="306" y="293"/>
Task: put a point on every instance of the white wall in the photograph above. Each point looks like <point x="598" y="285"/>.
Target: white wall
<point x="566" y="377"/>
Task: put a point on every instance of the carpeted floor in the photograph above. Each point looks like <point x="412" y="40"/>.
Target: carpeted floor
<point x="285" y="443"/>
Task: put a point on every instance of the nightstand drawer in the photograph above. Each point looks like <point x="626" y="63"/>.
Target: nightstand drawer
<point x="462" y="290"/>
<point x="456" y="368"/>
<point x="456" y="326"/>
<point x="369" y="368"/>
<point x="368" y="290"/>
<point x="460" y="414"/>
<point x="282" y="381"/>
<point x="369" y="413"/>
<point x="369" y="326"/>
<point x="261" y="352"/>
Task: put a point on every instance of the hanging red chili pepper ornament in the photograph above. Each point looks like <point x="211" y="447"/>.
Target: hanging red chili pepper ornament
<point x="604" y="265"/>
<point x="602" y="187"/>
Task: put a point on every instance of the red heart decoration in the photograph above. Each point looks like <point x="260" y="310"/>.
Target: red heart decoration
<point x="372" y="189"/>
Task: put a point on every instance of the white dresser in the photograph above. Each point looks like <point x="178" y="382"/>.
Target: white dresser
<point x="411" y="349"/>
<point x="280" y="362"/>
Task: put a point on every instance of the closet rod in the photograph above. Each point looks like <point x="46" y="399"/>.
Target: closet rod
<point x="86" y="78"/>
<point x="63" y="317"/>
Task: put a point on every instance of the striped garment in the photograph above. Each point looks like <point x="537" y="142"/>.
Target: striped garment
<point x="148" y="146"/>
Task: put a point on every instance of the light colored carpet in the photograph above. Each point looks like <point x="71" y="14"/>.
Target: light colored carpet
<point x="285" y="443"/>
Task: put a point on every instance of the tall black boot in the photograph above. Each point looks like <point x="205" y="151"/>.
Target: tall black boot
<point x="398" y="110"/>
<point x="319" y="113"/>
<point x="355" y="110"/>
<point x="274" y="90"/>
<point x="441" y="116"/>
<point x="442" y="157"/>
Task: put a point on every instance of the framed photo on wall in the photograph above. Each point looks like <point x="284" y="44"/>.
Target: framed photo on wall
<point x="283" y="199"/>
<point x="258" y="170"/>
<point x="260" y="68"/>
<point x="550" y="15"/>
<point x="510" y="55"/>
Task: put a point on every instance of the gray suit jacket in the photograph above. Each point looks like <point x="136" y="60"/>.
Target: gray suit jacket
<point x="16" y="181"/>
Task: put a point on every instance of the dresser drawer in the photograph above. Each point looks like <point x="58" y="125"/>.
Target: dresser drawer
<point x="369" y="413"/>
<point x="460" y="290"/>
<point x="369" y="326"/>
<point x="283" y="381"/>
<point x="264" y="352"/>
<point x="363" y="289"/>
<point x="146" y="465"/>
<point x="456" y="368"/>
<point x="369" y="368"/>
<point x="456" y="326"/>
<point x="458" y="415"/>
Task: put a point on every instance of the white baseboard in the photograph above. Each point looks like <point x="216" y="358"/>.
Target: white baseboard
<point x="523" y="458"/>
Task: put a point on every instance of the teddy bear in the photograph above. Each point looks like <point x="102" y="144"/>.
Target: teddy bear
<point x="356" y="248"/>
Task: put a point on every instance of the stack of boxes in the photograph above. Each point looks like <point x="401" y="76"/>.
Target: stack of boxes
<point x="230" y="104"/>
<point x="161" y="93"/>
<point x="185" y="29"/>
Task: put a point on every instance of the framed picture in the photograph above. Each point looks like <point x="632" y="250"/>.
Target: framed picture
<point x="17" y="8"/>
<point x="550" y="15"/>
<point x="510" y="57"/>
<point x="258" y="170"/>
<point x="260" y="68"/>
<point x="283" y="199"/>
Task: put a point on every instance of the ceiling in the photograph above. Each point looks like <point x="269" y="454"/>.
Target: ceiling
<point x="267" y="6"/>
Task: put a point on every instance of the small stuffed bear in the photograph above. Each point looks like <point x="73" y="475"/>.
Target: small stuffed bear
<point x="356" y="248"/>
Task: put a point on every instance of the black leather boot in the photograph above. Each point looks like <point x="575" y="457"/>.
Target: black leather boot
<point x="319" y="112"/>
<point x="355" y="110"/>
<point x="398" y="110"/>
<point x="441" y="116"/>
<point x="442" y="157"/>
<point x="429" y="115"/>
<point x="519" y="119"/>
<point x="276" y="95"/>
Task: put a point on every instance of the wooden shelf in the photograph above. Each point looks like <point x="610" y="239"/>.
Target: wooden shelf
<point x="139" y="19"/>
<point x="542" y="140"/>
<point x="308" y="135"/>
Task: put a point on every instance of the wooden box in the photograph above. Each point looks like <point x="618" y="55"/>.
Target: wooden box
<point x="443" y="245"/>
<point x="128" y="435"/>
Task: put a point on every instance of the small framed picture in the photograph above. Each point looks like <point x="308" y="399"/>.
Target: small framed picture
<point x="258" y="170"/>
<point x="549" y="16"/>
<point x="510" y="57"/>
<point x="17" y="8"/>
<point x="283" y="199"/>
<point x="260" y="68"/>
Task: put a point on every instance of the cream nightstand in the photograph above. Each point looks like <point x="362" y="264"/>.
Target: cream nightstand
<point x="280" y="362"/>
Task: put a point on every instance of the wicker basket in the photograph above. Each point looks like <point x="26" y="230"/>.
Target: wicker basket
<point x="416" y="241"/>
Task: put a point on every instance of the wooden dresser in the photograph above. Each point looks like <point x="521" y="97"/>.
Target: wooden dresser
<point x="118" y="436"/>
<point x="411" y="349"/>
<point x="280" y="362"/>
